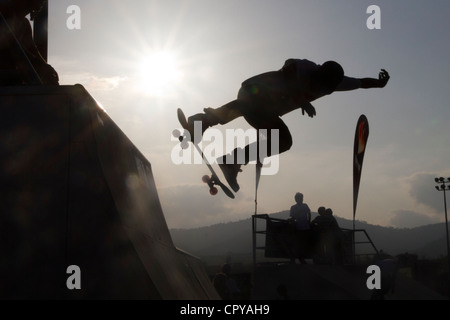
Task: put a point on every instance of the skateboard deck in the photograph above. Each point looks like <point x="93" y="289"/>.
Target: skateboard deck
<point x="212" y="180"/>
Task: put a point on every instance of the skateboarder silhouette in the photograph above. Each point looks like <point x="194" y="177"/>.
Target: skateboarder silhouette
<point x="264" y="98"/>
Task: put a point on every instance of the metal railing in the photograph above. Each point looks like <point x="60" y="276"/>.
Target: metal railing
<point x="359" y="239"/>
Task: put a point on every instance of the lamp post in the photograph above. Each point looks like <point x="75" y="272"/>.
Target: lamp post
<point x="444" y="185"/>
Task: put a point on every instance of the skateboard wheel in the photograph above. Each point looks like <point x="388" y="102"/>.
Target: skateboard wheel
<point x="213" y="191"/>
<point x="206" y="178"/>
<point x="176" y="133"/>
<point x="184" y="144"/>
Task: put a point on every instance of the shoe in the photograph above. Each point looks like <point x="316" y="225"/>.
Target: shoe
<point x="230" y="171"/>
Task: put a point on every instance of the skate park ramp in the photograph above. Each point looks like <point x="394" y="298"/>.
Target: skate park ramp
<point x="76" y="191"/>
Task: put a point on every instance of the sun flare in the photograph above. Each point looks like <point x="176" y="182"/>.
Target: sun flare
<point x="158" y="73"/>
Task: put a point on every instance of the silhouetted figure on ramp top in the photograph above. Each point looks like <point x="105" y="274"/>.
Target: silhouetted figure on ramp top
<point x="264" y="98"/>
<point x="16" y="35"/>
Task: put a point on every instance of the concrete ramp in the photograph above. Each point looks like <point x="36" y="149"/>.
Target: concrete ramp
<point x="76" y="191"/>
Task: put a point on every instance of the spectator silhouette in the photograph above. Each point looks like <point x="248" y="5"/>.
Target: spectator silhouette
<point x="301" y="216"/>
<point x="225" y="286"/>
<point x="12" y="66"/>
<point x="328" y="237"/>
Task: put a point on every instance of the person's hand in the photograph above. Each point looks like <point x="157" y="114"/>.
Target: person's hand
<point x="310" y="110"/>
<point x="383" y="78"/>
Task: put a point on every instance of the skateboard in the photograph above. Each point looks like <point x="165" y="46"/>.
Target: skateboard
<point x="213" y="180"/>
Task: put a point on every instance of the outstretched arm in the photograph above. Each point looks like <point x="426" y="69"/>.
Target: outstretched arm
<point x="348" y="84"/>
<point x="383" y="78"/>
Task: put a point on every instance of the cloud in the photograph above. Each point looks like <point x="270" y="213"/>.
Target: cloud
<point x="422" y="189"/>
<point x="410" y="219"/>
<point x="104" y="83"/>
<point x="73" y="71"/>
<point x="92" y="82"/>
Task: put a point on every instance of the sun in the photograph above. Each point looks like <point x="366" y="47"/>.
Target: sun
<point x="159" y="73"/>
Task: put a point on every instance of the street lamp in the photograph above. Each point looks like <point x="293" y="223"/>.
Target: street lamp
<point x="444" y="185"/>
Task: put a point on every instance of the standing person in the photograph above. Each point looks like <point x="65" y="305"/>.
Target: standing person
<point x="15" y="13"/>
<point x="329" y="247"/>
<point x="264" y="98"/>
<point x="322" y="227"/>
<point x="301" y="215"/>
<point x="338" y="247"/>
<point x="225" y="285"/>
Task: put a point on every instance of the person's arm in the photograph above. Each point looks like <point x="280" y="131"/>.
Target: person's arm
<point x="348" y="83"/>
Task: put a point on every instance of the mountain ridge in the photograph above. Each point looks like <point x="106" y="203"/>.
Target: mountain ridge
<point x="427" y="242"/>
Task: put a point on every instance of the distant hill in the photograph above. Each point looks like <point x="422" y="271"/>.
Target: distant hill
<point x="236" y="238"/>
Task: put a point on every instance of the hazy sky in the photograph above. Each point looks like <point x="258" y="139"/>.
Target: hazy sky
<point x="207" y="48"/>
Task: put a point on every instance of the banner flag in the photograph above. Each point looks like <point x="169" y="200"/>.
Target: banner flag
<point x="361" y="136"/>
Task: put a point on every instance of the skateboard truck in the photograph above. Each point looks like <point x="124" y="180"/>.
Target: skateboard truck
<point x="213" y="180"/>
<point x="210" y="182"/>
<point x="181" y="137"/>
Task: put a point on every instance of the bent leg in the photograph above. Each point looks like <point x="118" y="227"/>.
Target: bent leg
<point x="282" y="137"/>
<point x="221" y="115"/>
<point x="277" y="139"/>
<point x="230" y="164"/>
<point x="244" y="104"/>
<point x="226" y="113"/>
<point x="212" y="117"/>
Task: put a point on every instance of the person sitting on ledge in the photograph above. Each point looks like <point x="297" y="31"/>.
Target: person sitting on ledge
<point x="14" y="14"/>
